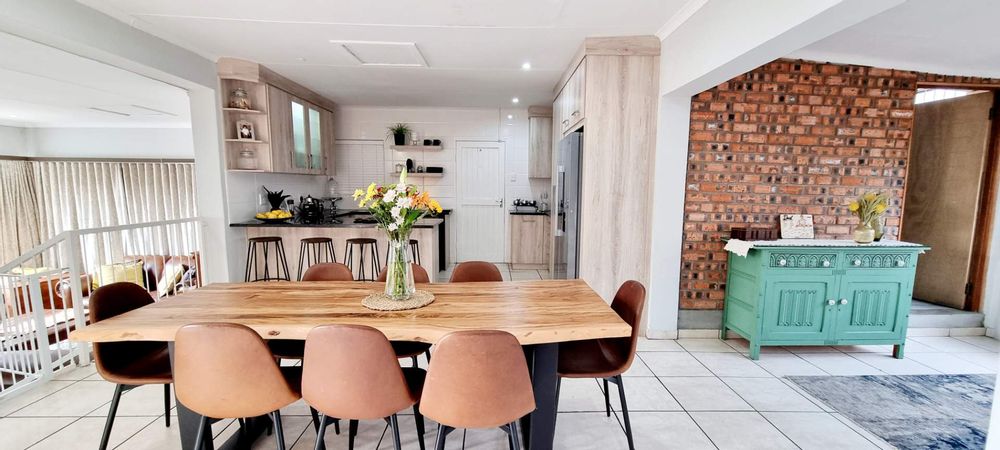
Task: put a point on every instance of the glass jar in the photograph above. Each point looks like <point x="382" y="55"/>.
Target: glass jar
<point x="399" y="273"/>
<point x="247" y="160"/>
<point x="239" y="99"/>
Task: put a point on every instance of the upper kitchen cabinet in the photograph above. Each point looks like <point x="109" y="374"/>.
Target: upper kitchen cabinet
<point x="539" y="142"/>
<point x="569" y="105"/>
<point x="290" y="127"/>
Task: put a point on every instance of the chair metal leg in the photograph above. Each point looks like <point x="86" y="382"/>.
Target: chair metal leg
<point x="428" y="355"/>
<point x="419" y="419"/>
<point x="414" y="360"/>
<point x="607" y="399"/>
<point x="621" y="395"/>
<point x="111" y="416"/>
<point x="166" y="404"/>
<point x="280" y="253"/>
<point x="302" y="254"/>
<point x="316" y="418"/>
<point x="515" y="436"/>
<point x="320" y="433"/>
<point x="394" y="424"/>
<point x="250" y="247"/>
<point x="199" y="440"/>
<point x="443" y="431"/>
<point x="352" y="432"/>
<point x="279" y="435"/>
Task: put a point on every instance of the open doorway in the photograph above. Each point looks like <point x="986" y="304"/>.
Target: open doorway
<point x="951" y="193"/>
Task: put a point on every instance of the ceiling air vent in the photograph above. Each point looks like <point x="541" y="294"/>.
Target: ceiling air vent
<point x="373" y="53"/>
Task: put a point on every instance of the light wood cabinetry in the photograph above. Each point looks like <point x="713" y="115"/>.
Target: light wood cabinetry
<point x="539" y="142"/>
<point x="611" y="90"/>
<point x="529" y="241"/>
<point x="293" y="125"/>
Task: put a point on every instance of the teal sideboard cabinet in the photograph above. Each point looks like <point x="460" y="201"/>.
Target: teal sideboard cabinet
<point x="820" y="292"/>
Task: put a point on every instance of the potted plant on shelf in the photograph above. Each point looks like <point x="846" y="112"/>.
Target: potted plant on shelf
<point x="399" y="132"/>
<point x="869" y="208"/>
<point x="397" y="207"/>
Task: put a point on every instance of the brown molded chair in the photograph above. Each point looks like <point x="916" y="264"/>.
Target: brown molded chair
<point x="350" y="371"/>
<point x="328" y="272"/>
<point x="224" y="370"/>
<point x="128" y="364"/>
<point x="478" y="379"/>
<point x="472" y="271"/>
<point x="608" y="358"/>
<point x="293" y="349"/>
<point x="410" y="349"/>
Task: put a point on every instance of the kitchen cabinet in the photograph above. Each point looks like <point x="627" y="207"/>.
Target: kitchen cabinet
<point x="299" y="141"/>
<point x="539" y="143"/>
<point x="529" y="241"/>
<point x="569" y="105"/>
<point x="831" y="293"/>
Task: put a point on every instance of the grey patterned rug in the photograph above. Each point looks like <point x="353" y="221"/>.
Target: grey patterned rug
<point x="912" y="411"/>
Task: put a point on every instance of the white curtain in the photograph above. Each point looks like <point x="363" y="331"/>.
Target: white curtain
<point x="19" y="225"/>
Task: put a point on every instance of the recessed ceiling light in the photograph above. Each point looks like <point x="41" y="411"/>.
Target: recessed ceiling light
<point x="526" y="66"/>
<point x="514" y="100"/>
<point x="510" y="116"/>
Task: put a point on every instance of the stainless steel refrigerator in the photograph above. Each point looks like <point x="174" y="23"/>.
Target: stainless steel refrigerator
<point x="567" y="202"/>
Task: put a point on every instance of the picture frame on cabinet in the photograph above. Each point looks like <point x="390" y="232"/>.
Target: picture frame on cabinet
<point x="797" y="226"/>
<point x="245" y="131"/>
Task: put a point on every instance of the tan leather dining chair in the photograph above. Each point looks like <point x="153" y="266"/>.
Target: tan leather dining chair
<point x="328" y="272"/>
<point x="351" y="372"/>
<point x="473" y="271"/>
<point x="410" y="349"/>
<point x="478" y="379"/>
<point x="128" y="364"/>
<point x="225" y="370"/>
<point x="608" y="358"/>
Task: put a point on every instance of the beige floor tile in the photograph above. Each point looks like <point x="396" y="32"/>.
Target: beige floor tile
<point x="893" y="366"/>
<point x="741" y="430"/>
<point x="743" y="346"/>
<point x="524" y="275"/>
<point x="798" y="349"/>
<point x="787" y="364"/>
<point x="704" y="394"/>
<point x="140" y="401"/>
<point x="30" y="395"/>
<point x="580" y="394"/>
<point x="644" y="394"/>
<point x="667" y="430"/>
<point x="658" y="345"/>
<point x="86" y="433"/>
<point x="991" y="361"/>
<point x="770" y="394"/>
<point x="76" y="400"/>
<point x="840" y="364"/>
<point x="949" y="345"/>
<point x="374" y="434"/>
<point x="638" y="369"/>
<point x="731" y="365"/>
<point x="674" y="364"/>
<point x="75" y="373"/>
<point x="819" y="431"/>
<point x="155" y="436"/>
<point x="588" y="430"/>
<point x="705" y="345"/>
<point x="985" y="342"/>
<point x="877" y="441"/>
<point x="293" y="428"/>
<point x="948" y="363"/>
<point x="22" y="432"/>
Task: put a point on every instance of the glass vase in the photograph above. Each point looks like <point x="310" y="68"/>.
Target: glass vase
<point x="399" y="273"/>
<point x="878" y="224"/>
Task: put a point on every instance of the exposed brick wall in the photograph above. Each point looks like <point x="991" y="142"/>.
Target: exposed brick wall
<point x="792" y="137"/>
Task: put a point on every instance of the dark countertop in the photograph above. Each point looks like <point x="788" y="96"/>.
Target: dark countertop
<point x="347" y="218"/>
<point x="528" y="213"/>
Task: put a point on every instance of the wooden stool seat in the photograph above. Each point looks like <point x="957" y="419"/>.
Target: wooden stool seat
<point x="280" y="263"/>
<point x="265" y="239"/>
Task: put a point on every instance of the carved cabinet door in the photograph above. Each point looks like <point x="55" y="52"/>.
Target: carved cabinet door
<point x="796" y="306"/>
<point x="872" y="306"/>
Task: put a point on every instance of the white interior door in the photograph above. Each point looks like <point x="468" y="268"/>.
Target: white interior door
<point x="480" y="214"/>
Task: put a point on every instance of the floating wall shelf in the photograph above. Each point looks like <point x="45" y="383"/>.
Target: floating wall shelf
<point x="410" y="148"/>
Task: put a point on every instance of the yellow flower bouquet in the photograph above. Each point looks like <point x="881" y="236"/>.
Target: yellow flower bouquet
<point x="397" y="207"/>
<point x="869" y="208"/>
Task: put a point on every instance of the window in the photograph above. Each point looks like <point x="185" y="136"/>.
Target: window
<point x="927" y="95"/>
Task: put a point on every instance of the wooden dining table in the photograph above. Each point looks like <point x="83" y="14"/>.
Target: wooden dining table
<point x="540" y="314"/>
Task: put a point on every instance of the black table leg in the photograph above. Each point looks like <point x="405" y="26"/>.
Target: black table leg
<point x="539" y="427"/>
<point x="188" y="422"/>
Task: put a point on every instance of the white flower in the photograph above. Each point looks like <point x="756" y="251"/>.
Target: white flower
<point x="395" y="211"/>
<point x="393" y="227"/>
<point x="389" y="196"/>
<point x="404" y="202"/>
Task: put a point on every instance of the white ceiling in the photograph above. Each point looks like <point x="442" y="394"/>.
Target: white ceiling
<point x="41" y="86"/>
<point x="473" y="49"/>
<point x="945" y="37"/>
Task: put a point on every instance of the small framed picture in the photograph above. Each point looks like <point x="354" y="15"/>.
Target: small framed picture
<point x="244" y="131"/>
<point x="797" y="226"/>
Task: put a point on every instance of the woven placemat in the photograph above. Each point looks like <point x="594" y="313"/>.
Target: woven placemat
<point x="381" y="302"/>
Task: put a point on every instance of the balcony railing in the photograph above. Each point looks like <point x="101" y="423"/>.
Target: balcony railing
<point x="44" y="292"/>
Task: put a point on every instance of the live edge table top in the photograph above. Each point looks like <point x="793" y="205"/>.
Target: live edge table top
<point x="536" y="312"/>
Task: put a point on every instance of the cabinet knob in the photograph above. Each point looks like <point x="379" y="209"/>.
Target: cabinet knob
<point x="831" y="302"/>
<point x="826" y="263"/>
<point x="900" y="263"/>
<point x="857" y="262"/>
<point x="843" y="301"/>
<point x="782" y="262"/>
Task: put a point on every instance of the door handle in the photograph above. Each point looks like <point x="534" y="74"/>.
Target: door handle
<point x="500" y="201"/>
<point x="843" y="301"/>
<point x="831" y="302"/>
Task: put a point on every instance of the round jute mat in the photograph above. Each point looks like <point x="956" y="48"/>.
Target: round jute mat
<point x="378" y="301"/>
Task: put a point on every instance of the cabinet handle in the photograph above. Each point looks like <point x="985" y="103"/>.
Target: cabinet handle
<point x="565" y="122"/>
<point x="575" y="113"/>
<point x="857" y="262"/>
<point x="782" y="262"/>
<point x="826" y="263"/>
<point x="843" y="301"/>
<point x="831" y="302"/>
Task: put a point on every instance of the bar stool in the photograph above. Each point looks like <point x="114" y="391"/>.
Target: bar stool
<point x="315" y="250"/>
<point x="280" y="262"/>
<point x="372" y="244"/>
<point x="414" y="251"/>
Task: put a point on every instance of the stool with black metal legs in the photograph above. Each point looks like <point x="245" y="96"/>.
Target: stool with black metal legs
<point x="363" y="244"/>
<point x="265" y="244"/>
<point x="315" y="250"/>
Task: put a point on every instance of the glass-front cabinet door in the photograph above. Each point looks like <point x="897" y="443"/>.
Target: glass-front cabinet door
<point x="300" y="133"/>
<point x="315" y="141"/>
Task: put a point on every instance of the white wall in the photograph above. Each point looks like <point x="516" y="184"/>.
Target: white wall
<point x="14" y="142"/>
<point x="140" y="143"/>
<point x="450" y="125"/>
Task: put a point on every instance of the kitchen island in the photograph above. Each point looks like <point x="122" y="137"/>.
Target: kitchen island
<point x="348" y="224"/>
